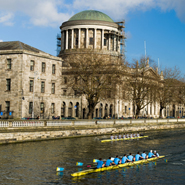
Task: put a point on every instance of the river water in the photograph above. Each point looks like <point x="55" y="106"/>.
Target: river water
<point x="35" y="163"/>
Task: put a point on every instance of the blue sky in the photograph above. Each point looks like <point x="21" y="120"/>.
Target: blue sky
<point x="161" y="23"/>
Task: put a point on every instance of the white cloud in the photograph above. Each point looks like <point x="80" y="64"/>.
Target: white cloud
<point x="54" y="12"/>
<point x="1" y="40"/>
<point x="6" y="18"/>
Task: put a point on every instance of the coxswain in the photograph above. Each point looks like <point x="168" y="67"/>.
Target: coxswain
<point x="111" y="137"/>
<point x="125" y="159"/>
<point x="100" y="163"/>
<point x="144" y="155"/>
<point x="117" y="160"/>
<point x="119" y="136"/>
<point x="150" y="154"/>
<point x="108" y="162"/>
<point x="130" y="157"/>
<point x="138" y="157"/>
<point x="156" y="154"/>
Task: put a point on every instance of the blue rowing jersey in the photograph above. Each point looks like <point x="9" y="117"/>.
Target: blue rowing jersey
<point x="130" y="157"/>
<point x="116" y="160"/>
<point x="99" y="164"/>
<point x="137" y="157"/>
<point x="124" y="159"/>
<point x="150" y="154"/>
<point x="108" y="162"/>
<point x="143" y="155"/>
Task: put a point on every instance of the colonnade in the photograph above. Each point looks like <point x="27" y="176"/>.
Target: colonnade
<point x="108" y="38"/>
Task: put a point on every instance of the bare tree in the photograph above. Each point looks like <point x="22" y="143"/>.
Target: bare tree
<point x="141" y="85"/>
<point x="167" y="93"/>
<point x="94" y="75"/>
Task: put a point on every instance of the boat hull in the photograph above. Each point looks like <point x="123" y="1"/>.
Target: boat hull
<point x="85" y="172"/>
<point x="108" y="140"/>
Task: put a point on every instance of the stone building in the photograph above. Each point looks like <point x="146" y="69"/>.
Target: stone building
<point x="29" y="79"/>
<point x="34" y="83"/>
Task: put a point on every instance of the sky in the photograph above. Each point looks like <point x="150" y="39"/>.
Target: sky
<point x="161" y="23"/>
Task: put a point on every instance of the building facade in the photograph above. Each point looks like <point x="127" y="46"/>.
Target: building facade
<point x="30" y="82"/>
<point x="34" y="83"/>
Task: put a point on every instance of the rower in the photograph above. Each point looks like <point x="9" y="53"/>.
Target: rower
<point x="124" y="136"/>
<point x="100" y="163"/>
<point x="138" y="134"/>
<point x="131" y="135"/>
<point x="130" y="157"/>
<point x="138" y="157"/>
<point x="127" y="136"/>
<point x="144" y="155"/>
<point x="119" y="136"/>
<point x="117" y="160"/>
<point x="150" y="154"/>
<point x="125" y="159"/>
<point x="115" y="137"/>
<point x="108" y="162"/>
<point x="111" y="137"/>
<point x="134" y="135"/>
<point x="156" y="154"/>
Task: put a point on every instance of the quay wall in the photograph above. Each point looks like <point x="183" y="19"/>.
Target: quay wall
<point x="24" y="131"/>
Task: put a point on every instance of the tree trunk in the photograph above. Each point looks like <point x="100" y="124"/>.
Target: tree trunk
<point x="137" y="112"/>
<point x="91" y="110"/>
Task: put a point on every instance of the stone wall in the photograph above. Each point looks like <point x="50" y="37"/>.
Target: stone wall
<point x="19" y="131"/>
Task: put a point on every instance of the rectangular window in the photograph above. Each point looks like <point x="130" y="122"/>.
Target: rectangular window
<point x="42" y="87"/>
<point x="75" y="92"/>
<point x="91" y="41"/>
<point x="76" y="80"/>
<point x="31" y="85"/>
<point x="43" y="67"/>
<point x="52" y="108"/>
<point x="9" y="63"/>
<point x="30" y="107"/>
<point x="41" y="107"/>
<point x="64" y="92"/>
<point x="76" y="43"/>
<point x="125" y="109"/>
<point x="8" y="84"/>
<point x="53" y="88"/>
<point x="108" y="94"/>
<point x="53" y="69"/>
<point x="65" y="80"/>
<point x="105" y="42"/>
<point x="32" y="65"/>
<point x="7" y="108"/>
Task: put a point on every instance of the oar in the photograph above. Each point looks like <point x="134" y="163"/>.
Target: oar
<point x="59" y="169"/>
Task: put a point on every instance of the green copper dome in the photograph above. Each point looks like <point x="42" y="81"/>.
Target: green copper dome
<point x="91" y="15"/>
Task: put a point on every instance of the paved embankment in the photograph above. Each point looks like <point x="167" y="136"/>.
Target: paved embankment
<point x="22" y="131"/>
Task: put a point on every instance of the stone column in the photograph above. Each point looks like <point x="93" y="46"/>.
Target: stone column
<point x="95" y="38"/>
<point x="87" y="37"/>
<point x="66" y="39"/>
<point x="109" y="40"/>
<point x="102" y="41"/>
<point x="62" y="40"/>
<point x="79" y="34"/>
<point x="72" y="38"/>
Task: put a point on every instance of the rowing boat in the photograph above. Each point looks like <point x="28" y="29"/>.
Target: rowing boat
<point x="108" y="140"/>
<point x="85" y="172"/>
